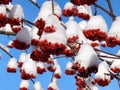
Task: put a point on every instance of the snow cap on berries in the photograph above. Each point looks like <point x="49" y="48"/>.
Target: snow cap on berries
<point x="24" y="85"/>
<point x="3" y="9"/>
<point x="72" y="30"/>
<point x="115" y="29"/>
<point x="53" y="85"/>
<point x="29" y="69"/>
<point x="103" y="77"/>
<point x="46" y="10"/>
<point x="17" y="12"/>
<point x="12" y="65"/>
<point x="24" y="35"/>
<point x="87" y="59"/>
<point x="97" y="22"/>
<point x="83" y="24"/>
<point x="37" y="86"/>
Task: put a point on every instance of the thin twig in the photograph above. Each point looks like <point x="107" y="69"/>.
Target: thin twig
<point x="27" y="21"/>
<point x="108" y="62"/>
<point x="106" y="53"/>
<point x="52" y="76"/>
<point x="108" y="57"/>
<point x="52" y="6"/>
<point x="95" y="10"/>
<point x="61" y="56"/>
<point x="110" y="7"/>
<point x="36" y="4"/>
<point x="87" y="84"/>
<point x="32" y="81"/>
<point x="7" y="33"/>
<point x="106" y="11"/>
<point x="6" y="52"/>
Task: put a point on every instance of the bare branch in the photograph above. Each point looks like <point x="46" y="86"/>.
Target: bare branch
<point x="108" y="57"/>
<point x="36" y="4"/>
<point x="6" y="52"/>
<point x="52" y="6"/>
<point x="107" y="53"/>
<point x="32" y="81"/>
<point x="95" y="10"/>
<point x="7" y="33"/>
<point x="27" y="21"/>
<point x="110" y="7"/>
<point x="106" y="11"/>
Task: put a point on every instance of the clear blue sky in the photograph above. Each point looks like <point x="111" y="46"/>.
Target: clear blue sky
<point x="10" y="81"/>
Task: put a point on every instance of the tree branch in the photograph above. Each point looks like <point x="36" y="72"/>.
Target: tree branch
<point x="27" y="21"/>
<point x="107" y="53"/>
<point x="110" y="7"/>
<point x="36" y="4"/>
<point x="6" y="51"/>
<point x="52" y="6"/>
<point x="7" y="33"/>
<point x="106" y="11"/>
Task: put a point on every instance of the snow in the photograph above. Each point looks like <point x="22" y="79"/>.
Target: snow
<point x="103" y="69"/>
<point x="16" y="12"/>
<point x="69" y="65"/>
<point x="6" y="28"/>
<point x="46" y="10"/>
<point x="115" y="64"/>
<point x="82" y="9"/>
<point x="34" y="33"/>
<point x="82" y="38"/>
<point x="24" y="83"/>
<point x="115" y="29"/>
<point x="72" y="28"/>
<point x="37" y="86"/>
<point x="59" y="35"/>
<point x="9" y="6"/>
<point x="12" y="63"/>
<point x="54" y="84"/>
<point x="97" y="22"/>
<point x="68" y="5"/>
<point x="3" y="9"/>
<point x="118" y="52"/>
<point x="89" y="81"/>
<point x="58" y="70"/>
<point x="24" y="35"/>
<point x="22" y="57"/>
<point x="30" y="66"/>
<point x="86" y="56"/>
<point x="41" y="65"/>
<point x="83" y="24"/>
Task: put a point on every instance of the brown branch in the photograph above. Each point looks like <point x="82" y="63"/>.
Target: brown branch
<point x="106" y="11"/>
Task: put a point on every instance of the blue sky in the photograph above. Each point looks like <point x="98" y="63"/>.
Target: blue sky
<point x="10" y="81"/>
